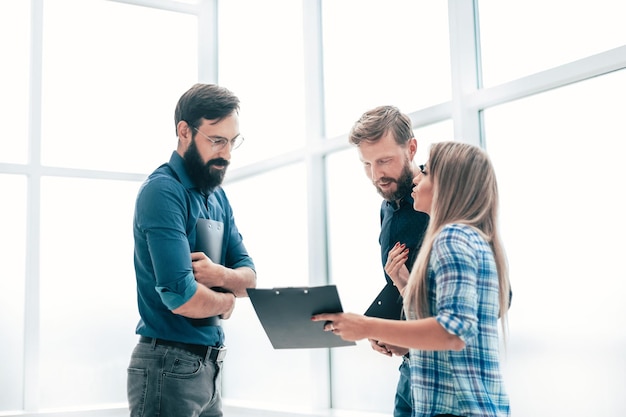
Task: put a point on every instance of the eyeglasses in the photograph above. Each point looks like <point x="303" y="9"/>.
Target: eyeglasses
<point x="219" y="143"/>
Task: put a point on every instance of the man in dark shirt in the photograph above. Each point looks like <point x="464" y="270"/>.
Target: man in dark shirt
<point x="190" y="263"/>
<point x="386" y="146"/>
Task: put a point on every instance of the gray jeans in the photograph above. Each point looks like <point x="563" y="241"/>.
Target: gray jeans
<point x="170" y="382"/>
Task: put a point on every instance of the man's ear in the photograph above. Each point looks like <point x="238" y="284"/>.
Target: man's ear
<point x="412" y="147"/>
<point x="184" y="132"/>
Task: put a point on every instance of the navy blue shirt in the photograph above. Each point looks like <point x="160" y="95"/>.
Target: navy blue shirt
<point x="401" y="223"/>
<point x="167" y="209"/>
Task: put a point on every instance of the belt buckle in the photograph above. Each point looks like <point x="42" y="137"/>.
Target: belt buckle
<point x="217" y="354"/>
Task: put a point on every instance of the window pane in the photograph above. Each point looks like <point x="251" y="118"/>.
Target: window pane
<point x="15" y="47"/>
<point x="88" y="306"/>
<point x="12" y="262"/>
<point x="430" y="134"/>
<point x="561" y="182"/>
<point x="264" y="68"/>
<point x="275" y="234"/>
<point x="109" y="95"/>
<point x="377" y="52"/>
<point x="520" y="38"/>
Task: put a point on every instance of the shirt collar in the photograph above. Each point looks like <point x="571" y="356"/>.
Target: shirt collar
<point x="406" y="200"/>
<point x="177" y="163"/>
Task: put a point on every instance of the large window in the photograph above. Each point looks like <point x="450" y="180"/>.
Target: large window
<point x="99" y="104"/>
<point x="87" y="112"/>
<point x="87" y="290"/>
<point x="522" y="38"/>
<point x="104" y="90"/>
<point x="560" y="180"/>
<point x="261" y="60"/>
<point x="383" y="52"/>
<point x="12" y="300"/>
<point x="14" y="81"/>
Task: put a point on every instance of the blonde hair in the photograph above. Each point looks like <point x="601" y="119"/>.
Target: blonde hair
<point x="377" y="122"/>
<point x="464" y="191"/>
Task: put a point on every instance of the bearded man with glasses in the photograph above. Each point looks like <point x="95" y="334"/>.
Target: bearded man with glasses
<point x="190" y="263"/>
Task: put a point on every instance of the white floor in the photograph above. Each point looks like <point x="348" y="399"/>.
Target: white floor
<point x="229" y="411"/>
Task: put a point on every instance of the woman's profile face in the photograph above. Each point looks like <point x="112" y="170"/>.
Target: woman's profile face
<point x="422" y="191"/>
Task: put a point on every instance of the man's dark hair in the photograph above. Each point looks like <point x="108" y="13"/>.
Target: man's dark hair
<point x="208" y="101"/>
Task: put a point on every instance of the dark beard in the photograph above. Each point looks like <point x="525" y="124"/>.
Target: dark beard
<point x="204" y="176"/>
<point x="404" y="183"/>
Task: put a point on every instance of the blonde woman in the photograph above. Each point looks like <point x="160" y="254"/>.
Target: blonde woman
<point x="455" y="294"/>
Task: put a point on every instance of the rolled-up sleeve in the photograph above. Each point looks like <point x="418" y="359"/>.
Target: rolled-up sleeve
<point x="161" y="211"/>
<point x="175" y="282"/>
<point x="176" y="295"/>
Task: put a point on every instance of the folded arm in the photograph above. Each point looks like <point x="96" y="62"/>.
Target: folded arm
<point x="214" y="275"/>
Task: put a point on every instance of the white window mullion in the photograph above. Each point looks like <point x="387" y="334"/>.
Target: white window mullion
<point x="33" y="204"/>
<point x="465" y="73"/>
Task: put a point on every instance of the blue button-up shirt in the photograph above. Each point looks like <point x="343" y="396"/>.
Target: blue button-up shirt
<point x="167" y="209"/>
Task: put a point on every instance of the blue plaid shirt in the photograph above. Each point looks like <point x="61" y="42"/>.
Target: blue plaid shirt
<point x="463" y="293"/>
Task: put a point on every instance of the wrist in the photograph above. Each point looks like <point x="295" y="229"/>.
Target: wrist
<point x="225" y="276"/>
<point x="401" y="290"/>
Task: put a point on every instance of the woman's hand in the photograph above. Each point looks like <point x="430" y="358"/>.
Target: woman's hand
<point x="348" y="326"/>
<point x="396" y="267"/>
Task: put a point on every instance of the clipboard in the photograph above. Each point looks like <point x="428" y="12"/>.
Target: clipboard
<point x="387" y="304"/>
<point x="209" y="237"/>
<point x="285" y="314"/>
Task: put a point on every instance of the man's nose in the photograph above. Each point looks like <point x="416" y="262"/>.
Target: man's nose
<point x="225" y="152"/>
<point x="376" y="173"/>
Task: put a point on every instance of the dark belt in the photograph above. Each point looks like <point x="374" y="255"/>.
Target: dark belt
<point x="214" y="354"/>
<point x="209" y="321"/>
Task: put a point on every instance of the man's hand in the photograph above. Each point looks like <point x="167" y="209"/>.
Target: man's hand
<point x="221" y="278"/>
<point x="207" y="272"/>
<point x="226" y="315"/>
<point x="378" y="347"/>
<point x="388" y="350"/>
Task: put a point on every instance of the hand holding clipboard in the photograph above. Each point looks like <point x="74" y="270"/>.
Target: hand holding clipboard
<point x="285" y="314"/>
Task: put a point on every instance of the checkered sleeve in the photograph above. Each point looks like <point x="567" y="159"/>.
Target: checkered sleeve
<point x="454" y="269"/>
